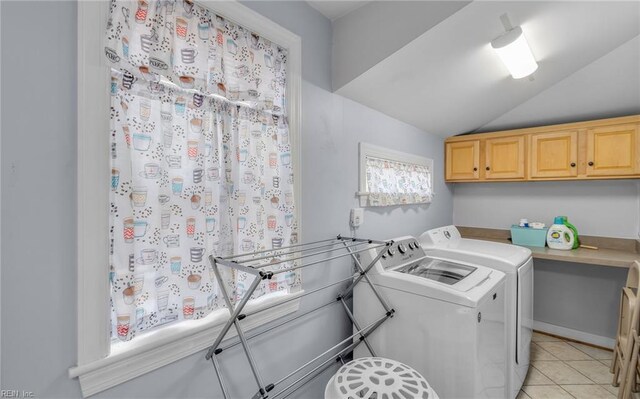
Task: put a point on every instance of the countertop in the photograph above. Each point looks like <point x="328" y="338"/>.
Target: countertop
<point x="613" y="252"/>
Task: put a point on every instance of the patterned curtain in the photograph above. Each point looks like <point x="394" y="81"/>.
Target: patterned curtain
<point x="201" y="160"/>
<point x="397" y="183"/>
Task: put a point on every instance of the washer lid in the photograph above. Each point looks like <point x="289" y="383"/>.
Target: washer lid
<point x="446" y="242"/>
<point x="438" y="270"/>
<point x="513" y="254"/>
<point x="446" y="280"/>
<point x="468" y="292"/>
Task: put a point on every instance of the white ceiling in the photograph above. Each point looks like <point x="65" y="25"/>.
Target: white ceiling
<point x="448" y="80"/>
<point x="334" y="9"/>
<point x="585" y="94"/>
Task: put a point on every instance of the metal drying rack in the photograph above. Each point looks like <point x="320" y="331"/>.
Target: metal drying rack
<point x="247" y="263"/>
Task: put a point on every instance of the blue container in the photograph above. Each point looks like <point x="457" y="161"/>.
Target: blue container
<point x="528" y="236"/>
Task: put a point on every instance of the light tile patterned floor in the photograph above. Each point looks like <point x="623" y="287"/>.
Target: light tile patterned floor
<point x="563" y="369"/>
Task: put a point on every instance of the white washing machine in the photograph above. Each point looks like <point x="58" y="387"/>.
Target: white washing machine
<point x="449" y="320"/>
<point x="517" y="264"/>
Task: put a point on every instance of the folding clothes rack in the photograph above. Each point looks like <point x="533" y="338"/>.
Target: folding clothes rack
<point x="248" y="263"/>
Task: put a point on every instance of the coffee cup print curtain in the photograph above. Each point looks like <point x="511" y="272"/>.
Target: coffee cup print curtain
<point x="201" y="161"/>
<point x="397" y="183"/>
<point x="191" y="47"/>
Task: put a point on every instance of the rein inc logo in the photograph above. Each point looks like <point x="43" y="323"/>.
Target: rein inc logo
<point x="16" y="393"/>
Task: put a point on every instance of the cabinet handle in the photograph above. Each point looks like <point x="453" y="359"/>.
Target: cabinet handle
<point x="488" y="168"/>
<point x="475" y="169"/>
<point x="590" y="163"/>
<point x="573" y="164"/>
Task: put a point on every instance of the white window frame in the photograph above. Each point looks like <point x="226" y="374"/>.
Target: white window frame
<point x="97" y="369"/>
<point x="369" y="150"/>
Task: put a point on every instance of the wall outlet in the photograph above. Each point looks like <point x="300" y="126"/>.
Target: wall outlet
<point x="357" y="217"/>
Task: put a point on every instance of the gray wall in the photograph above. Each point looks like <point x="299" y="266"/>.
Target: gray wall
<point x="38" y="287"/>
<point x="576" y="296"/>
<point x="38" y="197"/>
<point x="599" y="208"/>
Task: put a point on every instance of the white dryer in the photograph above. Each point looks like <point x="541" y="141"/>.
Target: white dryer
<point x="449" y="320"/>
<point x="516" y="262"/>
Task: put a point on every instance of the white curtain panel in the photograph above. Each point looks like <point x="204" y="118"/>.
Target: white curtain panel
<point x="201" y="161"/>
<point x="397" y="183"/>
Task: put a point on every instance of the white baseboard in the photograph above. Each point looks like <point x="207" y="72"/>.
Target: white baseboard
<point x="581" y="336"/>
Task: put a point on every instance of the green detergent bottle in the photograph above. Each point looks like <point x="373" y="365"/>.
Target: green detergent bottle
<point x="560" y="236"/>
<point x="576" y="241"/>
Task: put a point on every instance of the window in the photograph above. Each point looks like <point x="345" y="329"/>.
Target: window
<point x="390" y="177"/>
<point x="197" y="186"/>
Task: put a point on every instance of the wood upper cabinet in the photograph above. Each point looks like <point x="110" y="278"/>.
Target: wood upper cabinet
<point x="462" y="160"/>
<point x="554" y="154"/>
<point x="598" y="149"/>
<point x="613" y="150"/>
<point x="505" y="158"/>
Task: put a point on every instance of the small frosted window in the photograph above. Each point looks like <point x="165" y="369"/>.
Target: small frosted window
<point x="393" y="178"/>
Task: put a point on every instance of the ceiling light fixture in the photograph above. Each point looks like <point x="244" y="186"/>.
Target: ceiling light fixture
<point x="514" y="51"/>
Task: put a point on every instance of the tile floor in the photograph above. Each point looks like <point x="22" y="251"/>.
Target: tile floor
<point x="563" y="369"/>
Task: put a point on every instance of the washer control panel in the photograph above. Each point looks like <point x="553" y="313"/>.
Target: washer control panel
<point x="403" y="250"/>
<point x="440" y="237"/>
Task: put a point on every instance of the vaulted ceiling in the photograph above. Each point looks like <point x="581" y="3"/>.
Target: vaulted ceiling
<point x="336" y="9"/>
<point x="430" y="64"/>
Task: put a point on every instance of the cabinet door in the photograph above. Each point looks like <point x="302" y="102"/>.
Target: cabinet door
<point x="462" y="159"/>
<point x="554" y="154"/>
<point x="613" y="151"/>
<point x="505" y="158"/>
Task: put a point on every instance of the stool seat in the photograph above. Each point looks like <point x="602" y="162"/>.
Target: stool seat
<point x="377" y="377"/>
<point x="625" y="357"/>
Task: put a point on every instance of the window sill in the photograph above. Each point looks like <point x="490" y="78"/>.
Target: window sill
<point x="159" y="348"/>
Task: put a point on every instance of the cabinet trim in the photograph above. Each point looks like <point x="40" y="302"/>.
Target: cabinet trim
<point x="549" y="128"/>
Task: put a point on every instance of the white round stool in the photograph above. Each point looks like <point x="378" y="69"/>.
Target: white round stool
<point x="377" y="378"/>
